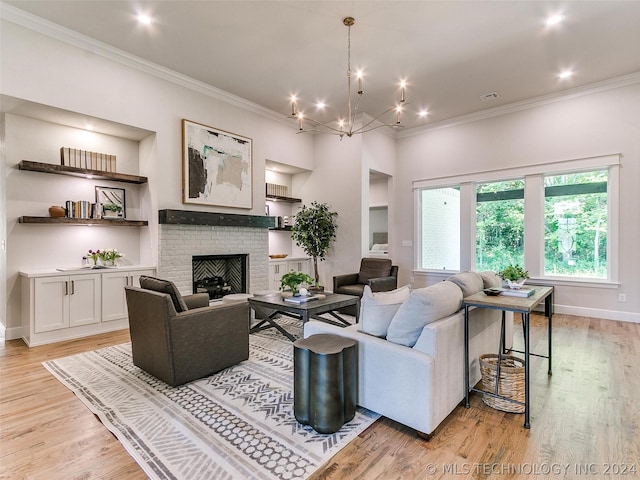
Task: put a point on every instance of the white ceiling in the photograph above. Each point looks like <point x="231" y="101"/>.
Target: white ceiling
<point x="450" y="52"/>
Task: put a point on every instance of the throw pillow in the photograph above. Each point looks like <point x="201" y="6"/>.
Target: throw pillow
<point x="165" y="286"/>
<point x="373" y="268"/>
<point x="469" y="282"/>
<point x="377" y="309"/>
<point x="490" y="279"/>
<point x="424" y="305"/>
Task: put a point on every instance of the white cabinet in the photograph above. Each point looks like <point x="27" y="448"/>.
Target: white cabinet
<point x="80" y="303"/>
<point x="276" y="271"/>
<point x="66" y="301"/>
<point x="113" y="284"/>
<point x="279" y="267"/>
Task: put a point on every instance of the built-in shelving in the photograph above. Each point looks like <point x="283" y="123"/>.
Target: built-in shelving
<point x="83" y="221"/>
<point x="282" y="229"/>
<point x="80" y="172"/>
<point x="275" y="198"/>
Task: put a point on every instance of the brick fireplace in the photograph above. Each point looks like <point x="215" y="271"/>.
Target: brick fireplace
<point x="182" y="237"/>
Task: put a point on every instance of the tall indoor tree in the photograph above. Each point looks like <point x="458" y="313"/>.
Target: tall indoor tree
<point x="314" y="230"/>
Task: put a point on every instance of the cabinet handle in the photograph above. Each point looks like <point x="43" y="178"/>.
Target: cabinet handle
<point x="73" y="287"/>
<point x="126" y="281"/>
<point x="66" y="288"/>
<point x="131" y="284"/>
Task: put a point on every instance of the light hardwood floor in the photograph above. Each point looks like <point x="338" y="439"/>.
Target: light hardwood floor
<point x="585" y="419"/>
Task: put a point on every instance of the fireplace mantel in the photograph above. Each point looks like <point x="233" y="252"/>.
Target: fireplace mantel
<point x="188" y="217"/>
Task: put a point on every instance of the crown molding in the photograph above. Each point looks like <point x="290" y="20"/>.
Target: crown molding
<point x="73" y="38"/>
<point x="584" y="90"/>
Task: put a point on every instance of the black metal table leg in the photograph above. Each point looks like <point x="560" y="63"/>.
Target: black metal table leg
<point x="466" y="356"/>
<point x="548" y="308"/>
<point x="527" y="423"/>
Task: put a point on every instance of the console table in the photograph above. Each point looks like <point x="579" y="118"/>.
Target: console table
<point x="520" y="305"/>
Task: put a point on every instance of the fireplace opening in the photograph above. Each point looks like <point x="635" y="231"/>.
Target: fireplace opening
<point x="220" y="275"/>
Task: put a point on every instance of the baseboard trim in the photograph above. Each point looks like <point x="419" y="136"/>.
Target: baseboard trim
<point x="598" y="313"/>
<point x="12" y="333"/>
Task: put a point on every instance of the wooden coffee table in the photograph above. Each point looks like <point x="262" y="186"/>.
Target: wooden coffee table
<point x="269" y="307"/>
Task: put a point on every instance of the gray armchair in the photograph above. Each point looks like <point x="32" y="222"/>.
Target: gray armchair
<point x="178" y="345"/>
<point x="378" y="273"/>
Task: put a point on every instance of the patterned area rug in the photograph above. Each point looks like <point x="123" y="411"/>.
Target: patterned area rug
<point x="236" y="424"/>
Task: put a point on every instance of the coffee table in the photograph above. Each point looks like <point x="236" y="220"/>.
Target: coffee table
<point x="269" y="307"/>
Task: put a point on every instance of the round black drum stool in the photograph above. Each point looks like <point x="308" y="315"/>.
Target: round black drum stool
<point x="324" y="384"/>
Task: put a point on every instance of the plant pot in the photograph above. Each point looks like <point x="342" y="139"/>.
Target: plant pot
<point x="516" y="284"/>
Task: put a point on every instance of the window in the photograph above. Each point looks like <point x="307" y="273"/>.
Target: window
<point x="440" y="229"/>
<point x="558" y="219"/>
<point x="499" y="224"/>
<point x="575" y="212"/>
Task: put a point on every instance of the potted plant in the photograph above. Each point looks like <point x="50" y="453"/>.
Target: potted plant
<point x="111" y="209"/>
<point x="314" y="230"/>
<point x="514" y="275"/>
<point x="293" y="280"/>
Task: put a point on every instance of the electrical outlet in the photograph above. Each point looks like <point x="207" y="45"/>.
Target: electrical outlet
<point x="622" y="297"/>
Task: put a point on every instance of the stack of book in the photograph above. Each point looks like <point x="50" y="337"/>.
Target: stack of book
<point x="72" y="157"/>
<point x="523" y="292"/>
<point x="301" y="299"/>
<point x="81" y="209"/>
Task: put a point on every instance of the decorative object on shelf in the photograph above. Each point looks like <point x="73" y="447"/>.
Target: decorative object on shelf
<point x="93" y="255"/>
<point x="275" y="190"/>
<point x="514" y="276"/>
<point x="73" y="157"/>
<point x="345" y="125"/>
<point x="217" y="167"/>
<point x="112" y="202"/>
<point x="314" y="230"/>
<point x="279" y="255"/>
<point x="57" y="211"/>
<point x="293" y="280"/>
<point x="109" y="256"/>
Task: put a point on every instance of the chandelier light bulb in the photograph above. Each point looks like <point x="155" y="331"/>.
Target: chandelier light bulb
<point x="321" y="105"/>
<point x="554" y="20"/>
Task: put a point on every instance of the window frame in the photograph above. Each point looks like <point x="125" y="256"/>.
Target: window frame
<point x="533" y="176"/>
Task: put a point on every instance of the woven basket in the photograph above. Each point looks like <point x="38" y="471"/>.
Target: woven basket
<point x="511" y="384"/>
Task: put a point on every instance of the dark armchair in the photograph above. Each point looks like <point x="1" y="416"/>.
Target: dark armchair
<point x="179" y="339"/>
<point x="378" y="273"/>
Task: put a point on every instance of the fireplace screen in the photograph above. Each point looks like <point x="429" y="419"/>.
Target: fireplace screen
<point x="219" y="275"/>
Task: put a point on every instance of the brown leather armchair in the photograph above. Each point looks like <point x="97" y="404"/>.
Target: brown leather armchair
<point x="179" y="345"/>
<point x="378" y="273"/>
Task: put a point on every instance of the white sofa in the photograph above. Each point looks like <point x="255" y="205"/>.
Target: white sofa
<point x="420" y="386"/>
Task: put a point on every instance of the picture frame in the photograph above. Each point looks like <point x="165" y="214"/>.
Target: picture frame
<point x="111" y="203"/>
<point x="217" y="167"/>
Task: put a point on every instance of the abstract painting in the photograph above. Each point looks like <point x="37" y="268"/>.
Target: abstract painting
<point x="216" y="167"/>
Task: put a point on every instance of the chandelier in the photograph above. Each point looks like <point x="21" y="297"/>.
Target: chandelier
<point x="345" y="126"/>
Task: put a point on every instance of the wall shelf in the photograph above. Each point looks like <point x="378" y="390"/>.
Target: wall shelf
<point x="80" y="172"/>
<point x="275" y="198"/>
<point x="82" y="221"/>
<point x="281" y="229"/>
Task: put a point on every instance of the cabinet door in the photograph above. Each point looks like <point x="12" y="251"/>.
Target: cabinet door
<point x="276" y="271"/>
<point x="51" y="306"/>
<point x="114" y="301"/>
<point x="303" y="266"/>
<point x="84" y="299"/>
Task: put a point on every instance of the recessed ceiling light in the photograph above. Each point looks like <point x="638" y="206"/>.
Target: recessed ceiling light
<point x="144" y="19"/>
<point x="565" y="74"/>
<point x="554" y="20"/>
<point x="423" y="113"/>
<point x="320" y="105"/>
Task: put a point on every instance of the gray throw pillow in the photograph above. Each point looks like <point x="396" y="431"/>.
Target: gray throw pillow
<point x="377" y="309"/>
<point x="424" y="305"/>
<point x="490" y="279"/>
<point x="165" y="286"/>
<point x="469" y="282"/>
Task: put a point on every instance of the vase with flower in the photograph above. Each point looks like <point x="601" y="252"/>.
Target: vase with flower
<point x="110" y="255"/>
<point x="93" y="255"/>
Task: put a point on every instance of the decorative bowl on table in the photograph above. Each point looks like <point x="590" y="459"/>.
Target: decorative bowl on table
<point x="492" y="291"/>
<point x="279" y="255"/>
<point x="516" y="284"/>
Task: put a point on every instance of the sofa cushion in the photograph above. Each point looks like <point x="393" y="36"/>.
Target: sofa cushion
<point x="469" y="282"/>
<point x="165" y="286"/>
<point x="424" y="305"/>
<point x="373" y="268"/>
<point x="490" y="279"/>
<point x="377" y="309"/>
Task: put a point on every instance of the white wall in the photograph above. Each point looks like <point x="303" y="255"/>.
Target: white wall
<point x="40" y="69"/>
<point x="584" y="126"/>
